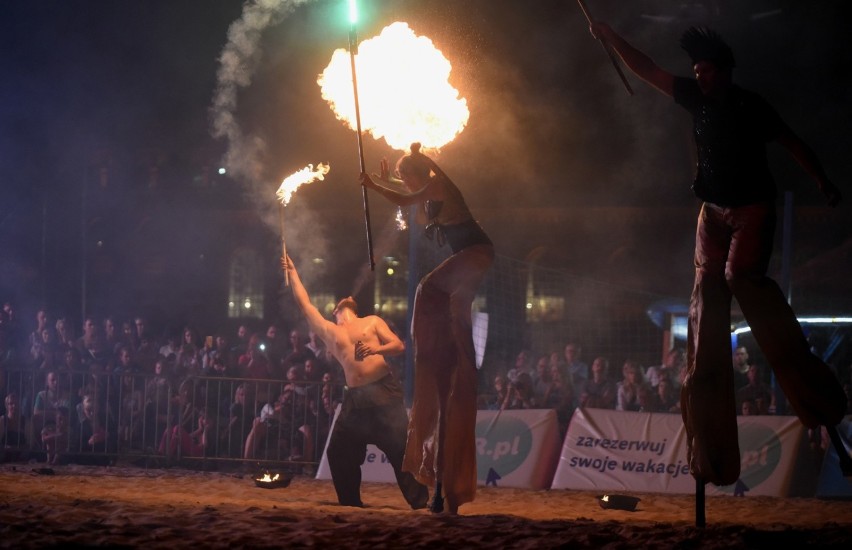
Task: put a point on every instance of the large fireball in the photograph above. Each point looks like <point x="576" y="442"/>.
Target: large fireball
<point x="403" y="90"/>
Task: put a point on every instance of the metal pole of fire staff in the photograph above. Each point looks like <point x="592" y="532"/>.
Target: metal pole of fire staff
<point x="607" y="49"/>
<point x="353" y="49"/>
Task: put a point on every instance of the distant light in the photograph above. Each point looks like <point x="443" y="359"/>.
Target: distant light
<point x="231" y="305"/>
<point x="222" y="171"/>
<point x="100" y="244"/>
<point x="318" y="260"/>
<point x="529" y="305"/>
<point x="353" y="11"/>
<point x="390" y="271"/>
<point x="809" y="320"/>
<point x="247" y="304"/>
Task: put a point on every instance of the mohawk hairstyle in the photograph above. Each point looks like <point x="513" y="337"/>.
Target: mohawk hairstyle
<point x="703" y="44"/>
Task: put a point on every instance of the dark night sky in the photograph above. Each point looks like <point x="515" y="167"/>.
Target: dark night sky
<point x="550" y="122"/>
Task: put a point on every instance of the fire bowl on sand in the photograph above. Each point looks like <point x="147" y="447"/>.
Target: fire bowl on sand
<point x="272" y="480"/>
<point x="618" y="502"/>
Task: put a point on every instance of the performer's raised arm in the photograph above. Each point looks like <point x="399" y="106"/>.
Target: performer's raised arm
<point x="316" y="321"/>
<point x="637" y="61"/>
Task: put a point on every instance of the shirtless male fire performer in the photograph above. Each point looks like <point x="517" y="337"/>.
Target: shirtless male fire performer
<point x="733" y="246"/>
<point x="373" y="411"/>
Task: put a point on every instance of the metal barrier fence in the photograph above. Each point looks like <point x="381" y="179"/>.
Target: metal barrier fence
<point x="90" y="417"/>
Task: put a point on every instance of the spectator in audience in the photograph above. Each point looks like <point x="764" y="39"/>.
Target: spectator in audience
<point x="521" y="393"/>
<point x="45" y="353"/>
<point x="141" y="331"/>
<point x="13" y="429"/>
<point x="671" y="368"/>
<point x="663" y="397"/>
<point x="741" y="360"/>
<point x="240" y="420"/>
<point x="220" y="349"/>
<point x="184" y="412"/>
<point x="630" y="388"/>
<point x="748" y="408"/>
<point x="541" y="377"/>
<point x="185" y="443"/>
<point x="89" y="433"/>
<point x="559" y="396"/>
<point x="276" y="350"/>
<point x="48" y="400"/>
<point x="55" y="436"/>
<point x="128" y="335"/>
<point x="315" y="344"/>
<point x="499" y="394"/>
<point x="90" y="333"/>
<point x="189" y="361"/>
<point x="15" y="332"/>
<point x="313" y="369"/>
<point x="147" y="352"/>
<point x="297" y="353"/>
<point x="254" y="363"/>
<point x="158" y="390"/>
<point x="171" y="348"/>
<point x="599" y="391"/>
<point x="757" y="391"/>
<point x="575" y="368"/>
<point x="276" y="417"/>
<point x="112" y="337"/>
<point x="523" y="363"/>
<point x="42" y="323"/>
<point x="64" y="334"/>
<point x="241" y="344"/>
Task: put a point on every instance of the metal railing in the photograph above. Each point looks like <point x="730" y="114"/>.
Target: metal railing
<point x="201" y="422"/>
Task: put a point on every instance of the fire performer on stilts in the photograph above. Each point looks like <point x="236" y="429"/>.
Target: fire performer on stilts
<point x="441" y="447"/>
<point x="734" y="239"/>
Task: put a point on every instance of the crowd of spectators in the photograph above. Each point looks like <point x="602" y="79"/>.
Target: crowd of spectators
<point x="255" y="395"/>
<point x="118" y="389"/>
<point x="561" y="380"/>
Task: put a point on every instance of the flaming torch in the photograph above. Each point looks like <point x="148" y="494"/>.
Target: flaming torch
<point x="431" y="112"/>
<point x="285" y="193"/>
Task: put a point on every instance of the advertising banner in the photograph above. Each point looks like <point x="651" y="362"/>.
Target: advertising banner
<point x="646" y="452"/>
<point x="515" y="448"/>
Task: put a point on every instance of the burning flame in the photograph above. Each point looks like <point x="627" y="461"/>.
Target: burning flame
<point x="403" y="90"/>
<point x="268" y="479"/>
<point x="296" y="180"/>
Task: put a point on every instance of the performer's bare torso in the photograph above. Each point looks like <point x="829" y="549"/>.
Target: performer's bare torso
<point x="344" y="338"/>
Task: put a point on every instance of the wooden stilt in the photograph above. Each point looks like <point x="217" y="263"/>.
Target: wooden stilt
<point x="700" y="518"/>
<point x="842" y="454"/>
<point x="437" y="505"/>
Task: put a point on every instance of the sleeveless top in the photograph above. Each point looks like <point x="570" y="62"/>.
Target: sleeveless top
<point x="451" y="221"/>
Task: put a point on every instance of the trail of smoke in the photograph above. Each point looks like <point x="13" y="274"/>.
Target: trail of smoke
<point x="237" y="64"/>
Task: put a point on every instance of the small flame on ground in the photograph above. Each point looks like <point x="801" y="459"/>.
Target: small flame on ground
<point x="306" y="175"/>
<point x="403" y="90"/>
<point x="269" y="479"/>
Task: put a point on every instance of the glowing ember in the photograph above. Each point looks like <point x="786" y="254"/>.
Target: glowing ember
<point x="400" y="220"/>
<point x="403" y="90"/>
<point x="303" y="176"/>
